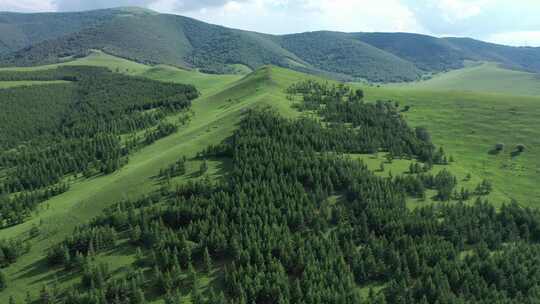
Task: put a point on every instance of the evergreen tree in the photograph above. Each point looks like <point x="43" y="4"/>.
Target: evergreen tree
<point x="3" y="281"/>
<point x="207" y="260"/>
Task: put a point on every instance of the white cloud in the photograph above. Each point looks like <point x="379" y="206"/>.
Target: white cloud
<point x="367" y="15"/>
<point x="520" y="38"/>
<point x="164" y="6"/>
<point x="232" y="7"/>
<point x="27" y="5"/>
<point x="286" y="16"/>
<point x="455" y="10"/>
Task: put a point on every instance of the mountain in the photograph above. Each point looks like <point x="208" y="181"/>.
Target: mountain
<point x="523" y="58"/>
<point x="149" y="37"/>
<point x="18" y="30"/>
<point x="427" y="53"/>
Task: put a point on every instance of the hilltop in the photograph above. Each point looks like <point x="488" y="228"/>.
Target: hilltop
<point x="153" y="38"/>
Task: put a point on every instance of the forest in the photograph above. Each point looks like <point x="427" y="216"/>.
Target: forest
<point x="298" y="220"/>
<point x="84" y="127"/>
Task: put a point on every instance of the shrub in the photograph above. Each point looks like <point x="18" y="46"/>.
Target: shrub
<point x="521" y="148"/>
<point x="499" y="147"/>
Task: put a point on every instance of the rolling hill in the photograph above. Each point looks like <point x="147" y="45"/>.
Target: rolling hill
<point x="225" y="100"/>
<point x="483" y="77"/>
<point x="427" y="53"/>
<point x="153" y="158"/>
<point x="151" y="38"/>
<point x="18" y="31"/>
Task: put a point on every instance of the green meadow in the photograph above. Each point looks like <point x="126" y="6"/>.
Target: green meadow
<point x="484" y="77"/>
<point x="469" y="124"/>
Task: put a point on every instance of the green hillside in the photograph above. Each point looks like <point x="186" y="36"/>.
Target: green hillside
<point x="485" y="77"/>
<point x="151" y="158"/>
<point x="336" y="52"/>
<point x="523" y="58"/>
<point x="215" y="118"/>
<point x="466" y="124"/>
<point x="426" y="52"/>
<point x="152" y="38"/>
<point x="18" y="31"/>
<point x="469" y="125"/>
<point x="145" y="38"/>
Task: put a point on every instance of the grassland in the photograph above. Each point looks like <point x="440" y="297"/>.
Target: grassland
<point x="468" y="179"/>
<point x="466" y="124"/>
<point x="486" y="77"/>
<point x="469" y="111"/>
<point x="469" y="124"/>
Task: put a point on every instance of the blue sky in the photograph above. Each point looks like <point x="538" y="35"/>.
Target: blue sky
<point x="514" y="22"/>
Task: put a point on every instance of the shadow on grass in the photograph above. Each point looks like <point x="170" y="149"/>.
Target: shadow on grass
<point x="222" y="168"/>
<point x="125" y="248"/>
<point x="516" y="153"/>
<point x="494" y="151"/>
<point x="40" y="267"/>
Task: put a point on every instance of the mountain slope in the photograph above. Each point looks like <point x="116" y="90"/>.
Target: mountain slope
<point x="167" y="39"/>
<point x="487" y="77"/>
<point x="427" y="53"/>
<point x="524" y="58"/>
<point x="336" y="52"/>
<point x="18" y="30"/>
<point x="149" y="37"/>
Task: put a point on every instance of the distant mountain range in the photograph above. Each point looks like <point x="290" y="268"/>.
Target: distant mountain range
<point x="149" y="37"/>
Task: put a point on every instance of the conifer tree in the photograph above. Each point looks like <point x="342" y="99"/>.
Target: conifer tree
<point x="3" y="281"/>
<point x="207" y="260"/>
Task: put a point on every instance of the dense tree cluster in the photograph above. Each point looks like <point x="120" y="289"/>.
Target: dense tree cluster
<point x="11" y="250"/>
<point x="295" y="222"/>
<point x="87" y="126"/>
<point x="372" y="126"/>
<point x="16" y="208"/>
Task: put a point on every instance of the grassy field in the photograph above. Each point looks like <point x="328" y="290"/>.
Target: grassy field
<point x="469" y="124"/>
<point x="466" y="124"/>
<point x="486" y="77"/>
<point x="468" y="179"/>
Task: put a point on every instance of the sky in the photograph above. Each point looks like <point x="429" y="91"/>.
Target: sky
<point x="513" y="22"/>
